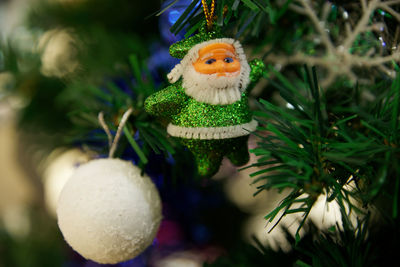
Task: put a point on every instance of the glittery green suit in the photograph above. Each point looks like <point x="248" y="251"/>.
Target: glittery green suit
<point x="186" y="112"/>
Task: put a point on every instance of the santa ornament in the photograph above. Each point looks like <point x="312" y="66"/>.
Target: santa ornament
<point x="207" y="101"/>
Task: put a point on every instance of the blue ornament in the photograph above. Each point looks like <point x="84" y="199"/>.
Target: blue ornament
<point x="169" y="17"/>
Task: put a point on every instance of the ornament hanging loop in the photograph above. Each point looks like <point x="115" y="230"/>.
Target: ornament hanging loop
<point x="209" y="14"/>
<point x="113" y="143"/>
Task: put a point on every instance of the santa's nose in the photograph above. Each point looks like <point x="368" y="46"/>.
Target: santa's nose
<point x="220" y="67"/>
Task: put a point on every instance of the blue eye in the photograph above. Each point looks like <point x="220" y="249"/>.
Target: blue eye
<point x="228" y="60"/>
<point x="210" y="61"/>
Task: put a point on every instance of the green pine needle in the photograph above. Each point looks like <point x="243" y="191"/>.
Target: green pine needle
<point x="305" y="150"/>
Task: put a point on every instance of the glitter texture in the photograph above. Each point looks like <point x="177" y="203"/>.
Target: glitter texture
<point x="179" y="49"/>
<point x="209" y="153"/>
<point x="188" y="113"/>
<point x="257" y="71"/>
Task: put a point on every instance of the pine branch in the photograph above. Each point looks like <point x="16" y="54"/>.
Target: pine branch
<point x="250" y="17"/>
<point x="113" y="99"/>
<point x="344" y="56"/>
<point x="311" y="153"/>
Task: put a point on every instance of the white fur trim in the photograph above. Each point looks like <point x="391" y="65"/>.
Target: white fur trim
<point x="200" y="89"/>
<point x="208" y="133"/>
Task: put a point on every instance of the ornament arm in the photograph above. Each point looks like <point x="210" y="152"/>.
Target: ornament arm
<point x="258" y="70"/>
<point x="166" y="102"/>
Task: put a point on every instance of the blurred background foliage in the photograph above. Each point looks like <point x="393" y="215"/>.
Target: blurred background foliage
<point x="324" y="171"/>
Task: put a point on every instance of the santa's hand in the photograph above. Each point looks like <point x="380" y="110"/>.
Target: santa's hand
<point x="258" y="70"/>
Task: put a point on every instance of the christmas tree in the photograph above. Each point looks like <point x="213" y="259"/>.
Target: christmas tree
<point x="297" y="165"/>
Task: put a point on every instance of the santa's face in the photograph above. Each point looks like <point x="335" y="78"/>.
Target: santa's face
<point x="214" y="77"/>
<point x="213" y="72"/>
<point x="218" y="59"/>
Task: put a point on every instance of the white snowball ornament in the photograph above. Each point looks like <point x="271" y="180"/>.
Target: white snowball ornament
<point x="108" y="212"/>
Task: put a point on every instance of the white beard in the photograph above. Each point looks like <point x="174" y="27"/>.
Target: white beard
<point x="211" y="89"/>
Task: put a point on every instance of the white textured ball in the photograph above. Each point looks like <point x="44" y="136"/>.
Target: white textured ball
<point x="108" y="212"/>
